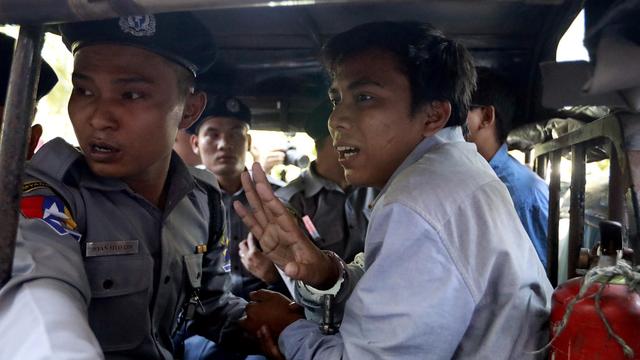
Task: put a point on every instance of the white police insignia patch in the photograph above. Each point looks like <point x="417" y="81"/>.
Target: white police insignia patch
<point x="233" y="105"/>
<point x="140" y="25"/>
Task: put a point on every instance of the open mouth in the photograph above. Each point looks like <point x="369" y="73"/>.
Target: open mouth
<point x="103" y="148"/>
<point x="102" y="151"/>
<point x="346" y="152"/>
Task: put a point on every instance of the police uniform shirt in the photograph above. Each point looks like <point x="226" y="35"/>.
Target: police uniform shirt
<point x="127" y="265"/>
<point x="340" y="217"/>
<point x="242" y="281"/>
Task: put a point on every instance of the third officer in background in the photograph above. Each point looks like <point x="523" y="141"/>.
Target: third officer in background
<point x="221" y="138"/>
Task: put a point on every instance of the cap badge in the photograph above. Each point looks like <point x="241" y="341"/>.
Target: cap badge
<point x="233" y="105"/>
<point x="139" y="25"/>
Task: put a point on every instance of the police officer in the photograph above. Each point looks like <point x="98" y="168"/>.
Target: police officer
<point x="118" y="244"/>
<point x="221" y="138"/>
<point x="47" y="81"/>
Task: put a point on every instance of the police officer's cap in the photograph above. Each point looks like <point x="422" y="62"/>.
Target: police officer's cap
<point x="48" y="78"/>
<point x="179" y="37"/>
<point x="316" y="124"/>
<point x="222" y="106"/>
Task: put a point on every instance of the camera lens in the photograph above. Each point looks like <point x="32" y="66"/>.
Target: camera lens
<point x="295" y="158"/>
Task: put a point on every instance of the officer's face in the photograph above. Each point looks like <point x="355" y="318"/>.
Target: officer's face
<point x="372" y="126"/>
<point x="222" y="143"/>
<point x="126" y="109"/>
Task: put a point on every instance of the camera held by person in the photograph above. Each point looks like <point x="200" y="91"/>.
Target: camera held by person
<point x="295" y="158"/>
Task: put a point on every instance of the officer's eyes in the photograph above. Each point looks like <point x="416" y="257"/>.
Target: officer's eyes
<point x="363" y="97"/>
<point x="132" y="95"/>
<point x="82" y="91"/>
<point x="212" y="134"/>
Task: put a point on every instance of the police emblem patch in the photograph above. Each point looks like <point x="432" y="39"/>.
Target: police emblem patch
<point x="139" y="25"/>
<point x="52" y="211"/>
<point x="233" y="105"/>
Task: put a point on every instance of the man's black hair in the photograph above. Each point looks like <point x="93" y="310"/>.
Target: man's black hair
<point x="494" y="90"/>
<point x="438" y="69"/>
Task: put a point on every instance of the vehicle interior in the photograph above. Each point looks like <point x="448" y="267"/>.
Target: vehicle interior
<point x="268" y="56"/>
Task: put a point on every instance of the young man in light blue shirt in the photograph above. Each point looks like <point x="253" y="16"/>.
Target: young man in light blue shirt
<point x="449" y="270"/>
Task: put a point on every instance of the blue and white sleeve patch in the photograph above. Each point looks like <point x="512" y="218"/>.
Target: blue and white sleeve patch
<point x="51" y="210"/>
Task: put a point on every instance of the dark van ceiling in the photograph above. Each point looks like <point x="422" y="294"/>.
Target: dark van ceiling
<point x="269" y="54"/>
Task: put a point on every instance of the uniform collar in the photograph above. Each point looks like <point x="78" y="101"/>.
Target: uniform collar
<point x="56" y="158"/>
<point x="314" y="182"/>
<point x="180" y="182"/>
<point x="446" y="135"/>
<point x="62" y="161"/>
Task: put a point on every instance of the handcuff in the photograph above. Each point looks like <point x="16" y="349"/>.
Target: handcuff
<point x="329" y="325"/>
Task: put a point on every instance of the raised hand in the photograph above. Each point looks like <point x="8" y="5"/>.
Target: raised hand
<point x="279" y="235"/>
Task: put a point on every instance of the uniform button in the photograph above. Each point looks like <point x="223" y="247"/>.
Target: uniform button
<point x="107" y="284"/>
<point x="167" y="279"/>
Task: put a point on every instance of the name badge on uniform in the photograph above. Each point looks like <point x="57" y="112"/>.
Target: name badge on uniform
<point x="106" y="248"/>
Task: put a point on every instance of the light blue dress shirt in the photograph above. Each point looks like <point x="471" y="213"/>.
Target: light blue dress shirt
<point x="449" y="269"/>
<point x="530" y="195"/>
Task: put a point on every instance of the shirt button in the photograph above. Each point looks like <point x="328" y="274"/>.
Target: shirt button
<point x="107" y="284"/>
<point x="167" y="279"/>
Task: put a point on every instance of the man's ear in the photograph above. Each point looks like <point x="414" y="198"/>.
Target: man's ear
<point x="435" y="116"/>
<point x="193" y="108"/>
<point x="488" y="116"/>
<point x="194" y="144"/>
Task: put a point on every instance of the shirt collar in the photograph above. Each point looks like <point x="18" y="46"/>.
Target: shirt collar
<point x="446" y="135"/>
<point x="179" y="179"/>
<point x="500" y="157"/>
<point x="313" y="182"/>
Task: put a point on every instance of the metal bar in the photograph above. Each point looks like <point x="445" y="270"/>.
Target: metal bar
<point x="18" y="114"/>
<point x="607" y="127"/>
<point x="634" y="165"/>
<point x="540" y="165"/>
<point x="554" y="217"/>
<point x="616" y="189"/>
<point x="576" y="211"/>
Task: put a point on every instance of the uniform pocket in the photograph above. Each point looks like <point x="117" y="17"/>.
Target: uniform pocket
<point x="193" y="267"/>
<point x="119" y="308"/>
